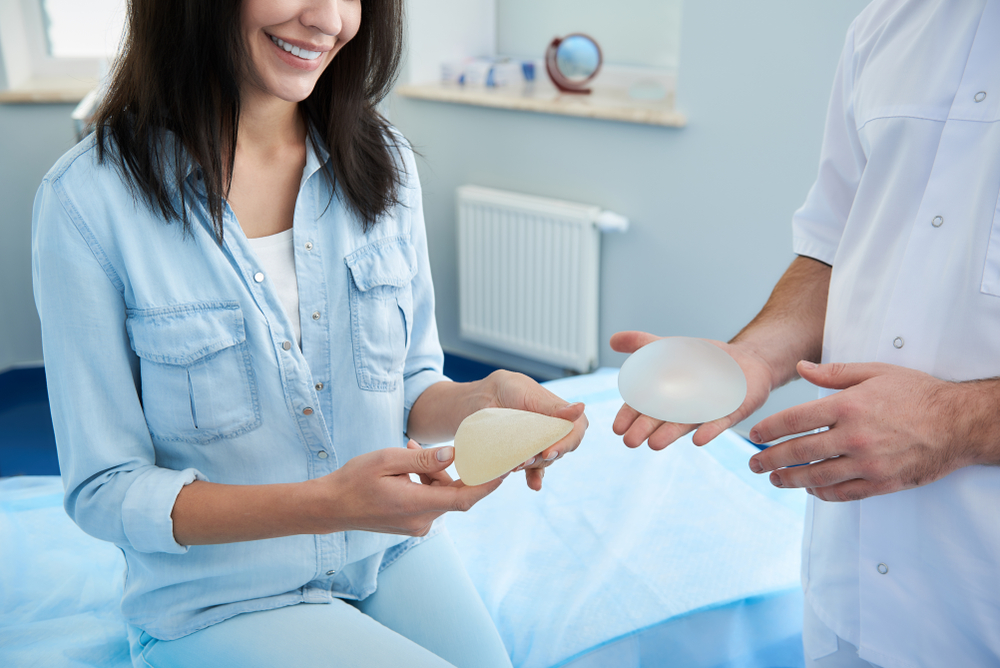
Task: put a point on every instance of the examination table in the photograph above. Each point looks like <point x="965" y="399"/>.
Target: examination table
<point x="627" y="558"/>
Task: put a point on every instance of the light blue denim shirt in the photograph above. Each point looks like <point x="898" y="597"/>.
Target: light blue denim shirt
<point x="170" y="359"/>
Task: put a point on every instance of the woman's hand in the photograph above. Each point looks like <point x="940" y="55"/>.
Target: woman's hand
<point x="637" y="428"/>
<point x="374" y="492"/>
<point x="506" y="389"/>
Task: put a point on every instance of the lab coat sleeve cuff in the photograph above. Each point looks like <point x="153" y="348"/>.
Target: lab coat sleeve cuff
<point x="814" y="248"/>
<point x="415" y="385"/>
<point x="147" y="507"/>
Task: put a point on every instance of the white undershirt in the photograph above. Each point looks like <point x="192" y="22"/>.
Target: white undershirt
<point x="277" y="257"/>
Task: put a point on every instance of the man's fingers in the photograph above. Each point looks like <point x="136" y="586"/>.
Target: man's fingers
<point x="710" y="430"/>
<point x="667" y="433"/>
<point x="626" y="416"/>
<point x="641" y="430"/>
<point x="796" y="451"/>
<point x="852" y="490"/>
<point x="795" y="420"/>
<point x="629" y="342"/>
<point x="839" y="376"/>
<point x="816" y="476"/>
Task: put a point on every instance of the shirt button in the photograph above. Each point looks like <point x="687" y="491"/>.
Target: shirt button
<point x="319" y="386"/>
<point x="938" y="221"/>
<point x="980" y="96"/>
<point x="883" y="569"/>
<point x="322" y="454"/>
<point x="330" y="572"/>
<point x="309" y="245"/>
<point x="316" y="315"/>
<point x="307" y="411"/>
<point x="287" y="345"/>
<point x="898" y="342"/>
<point x="259" y="277"/>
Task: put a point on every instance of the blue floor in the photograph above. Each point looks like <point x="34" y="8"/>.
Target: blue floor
<point x="28" y="446"/>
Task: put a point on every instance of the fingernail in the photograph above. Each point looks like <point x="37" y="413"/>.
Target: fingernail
<point x="756" y="466"/>
<point x="808" y="365"/>
<point x="445" y="454"/>
<point x="776" y="480"/>
<point x="552" y="457"/>
<point x="755" y="436"/>
<point x="530" y="462"/>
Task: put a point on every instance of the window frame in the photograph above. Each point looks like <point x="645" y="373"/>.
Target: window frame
<point x="32" y="75"/>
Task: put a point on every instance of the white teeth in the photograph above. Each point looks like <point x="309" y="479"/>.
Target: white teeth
<point x="294" y="50"/>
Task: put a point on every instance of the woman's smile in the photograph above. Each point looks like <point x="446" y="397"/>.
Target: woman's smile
<point x="300" y="52"/>
<point x="299" y="55"/>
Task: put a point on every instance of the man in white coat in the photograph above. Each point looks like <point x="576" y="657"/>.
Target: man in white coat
<point x="896" y="290"/>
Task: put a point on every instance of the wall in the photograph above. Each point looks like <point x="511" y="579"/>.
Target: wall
<point x="32" y="137"/>
<point x="710" y="204"/>
<point x="653" y="41"/>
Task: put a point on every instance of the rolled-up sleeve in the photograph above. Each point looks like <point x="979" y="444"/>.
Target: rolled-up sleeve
<point x="114" y="490"/>
<point x="818" y="225"/>
<point x="425" y="359"/>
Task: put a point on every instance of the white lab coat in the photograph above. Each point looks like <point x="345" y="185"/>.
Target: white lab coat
<point x="905" y="209"/>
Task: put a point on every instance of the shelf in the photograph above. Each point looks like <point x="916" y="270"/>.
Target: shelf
<point x="56" y="90"/>
<point x="607" y="104"/>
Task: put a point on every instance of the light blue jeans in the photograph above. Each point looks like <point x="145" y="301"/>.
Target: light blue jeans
<point x="425" y="613"/>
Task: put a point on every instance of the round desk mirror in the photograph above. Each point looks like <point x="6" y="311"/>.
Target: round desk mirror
<point x="572" y="62"/>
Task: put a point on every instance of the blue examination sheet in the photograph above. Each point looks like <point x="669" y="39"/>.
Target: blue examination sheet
<point x="677" y="558"/>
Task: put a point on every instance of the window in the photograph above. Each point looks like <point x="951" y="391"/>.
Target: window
<point x="56" y="50"/>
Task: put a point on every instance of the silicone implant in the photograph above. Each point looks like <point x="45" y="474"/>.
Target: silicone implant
<point x="682" y="379"/>
<point x="493" y="441"/>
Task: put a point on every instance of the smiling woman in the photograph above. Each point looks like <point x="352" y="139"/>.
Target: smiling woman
<point x="241" y="249"/>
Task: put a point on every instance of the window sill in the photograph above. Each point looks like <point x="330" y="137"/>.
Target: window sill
<point x="607" y="104"/>
<point x="48" y="91"/>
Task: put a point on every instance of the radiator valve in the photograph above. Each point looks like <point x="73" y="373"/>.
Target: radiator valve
<point x="609" y="221"/>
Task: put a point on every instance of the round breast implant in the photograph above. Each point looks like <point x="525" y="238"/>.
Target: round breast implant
<point x="493" y="441"/>
<point x="682" y="379"/>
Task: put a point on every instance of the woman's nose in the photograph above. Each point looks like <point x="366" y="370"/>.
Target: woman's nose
<point x="324" y="15"/>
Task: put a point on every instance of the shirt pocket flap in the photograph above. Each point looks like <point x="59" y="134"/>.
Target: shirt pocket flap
<point x="184" y="335"/>
<point x="388" y="262"/>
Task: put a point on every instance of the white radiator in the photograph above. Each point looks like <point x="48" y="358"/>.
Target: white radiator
<point x="529" y="275"/>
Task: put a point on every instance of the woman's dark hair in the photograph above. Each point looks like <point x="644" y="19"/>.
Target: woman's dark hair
<point x="180" y="71"/>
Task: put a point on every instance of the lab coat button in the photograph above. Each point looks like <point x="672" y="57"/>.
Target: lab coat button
<point x="938" y="221"/>
<point x="898" y="342"/>
<point x="307" y="411"/>
<point x="322" y="454"/>
<point x="309" y="245"/>
<point x="980" y="96"/>
<point x="259" y="277"/>
<point x="883" y="569"/>
<point x="316" y="315"/>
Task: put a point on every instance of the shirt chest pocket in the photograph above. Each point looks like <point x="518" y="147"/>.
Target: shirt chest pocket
<point x="198" y="383"/>
<point x="381" y="311"/>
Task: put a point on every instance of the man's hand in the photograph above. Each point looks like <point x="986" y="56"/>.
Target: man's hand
<point x="889" y="429"/>
<point x="637" y="428"/>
